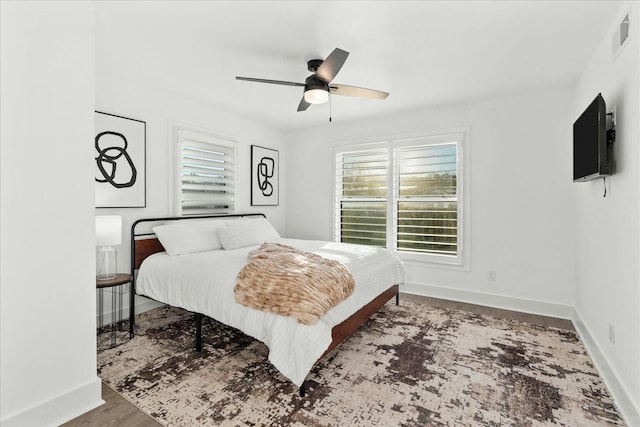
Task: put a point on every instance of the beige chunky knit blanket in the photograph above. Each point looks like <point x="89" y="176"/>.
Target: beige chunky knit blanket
<point x="290" y="282"/>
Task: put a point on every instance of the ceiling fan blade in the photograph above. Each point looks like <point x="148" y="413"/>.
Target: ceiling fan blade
<point x="303" y="104"/>
<point x="361" y="92"/>
<point x="275" y="82"/>
<point x="330" y="67"/>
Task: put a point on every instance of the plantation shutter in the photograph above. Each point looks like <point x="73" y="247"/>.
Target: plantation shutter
<point x="426" y="208"/>
<point x="361" y="196"/>
<point x="206" y="174"/>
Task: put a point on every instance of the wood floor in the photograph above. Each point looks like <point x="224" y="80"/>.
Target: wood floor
<point x="115" y="412"/>
<point x="119" y="412"/>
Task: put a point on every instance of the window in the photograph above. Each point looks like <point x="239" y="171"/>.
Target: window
<point x="205" y="173"/>
<point x="405" y="195"/>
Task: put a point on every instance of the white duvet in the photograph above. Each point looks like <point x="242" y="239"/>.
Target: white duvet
<point x="203" y="283"/>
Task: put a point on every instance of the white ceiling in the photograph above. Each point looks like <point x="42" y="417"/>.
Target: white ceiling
<point x="425" y="53"/>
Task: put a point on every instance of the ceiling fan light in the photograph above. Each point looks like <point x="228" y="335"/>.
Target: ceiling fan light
<point x="316" y="96"/>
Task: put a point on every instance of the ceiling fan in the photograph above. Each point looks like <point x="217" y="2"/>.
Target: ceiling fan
<point x="318" y="85"/>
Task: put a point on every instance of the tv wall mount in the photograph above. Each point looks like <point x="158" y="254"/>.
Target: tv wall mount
<point x="611" y="132"/>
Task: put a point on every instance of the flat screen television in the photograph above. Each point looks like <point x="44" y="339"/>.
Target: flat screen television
<point x="590" y="143"/>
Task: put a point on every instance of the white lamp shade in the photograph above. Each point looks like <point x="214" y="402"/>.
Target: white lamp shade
<point x="316" y="96"/>
<point x="108" y="230"/>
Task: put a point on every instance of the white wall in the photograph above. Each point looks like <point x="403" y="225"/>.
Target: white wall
<point x="48" y="342"/>
<point x="160" y="110"/>
<point x="520" y="187"/>
<point x="607" y="246"/>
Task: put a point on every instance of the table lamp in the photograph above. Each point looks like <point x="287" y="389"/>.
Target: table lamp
<point x="108" y="234"/>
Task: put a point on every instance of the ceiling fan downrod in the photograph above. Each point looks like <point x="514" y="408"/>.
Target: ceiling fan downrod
<point x="314" y="64"/>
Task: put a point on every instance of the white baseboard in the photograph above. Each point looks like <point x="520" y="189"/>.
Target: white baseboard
<point x="145" y="304"/>
<point x="61" y="408"/>
<point x="629" y="410"/>
<point x="142" y="304"/>
<point x="542" y="308"/>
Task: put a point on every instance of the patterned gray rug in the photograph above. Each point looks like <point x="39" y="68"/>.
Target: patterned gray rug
<point x="410" y="365"/>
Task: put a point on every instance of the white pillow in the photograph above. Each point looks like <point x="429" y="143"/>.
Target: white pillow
<point x="186" y="237"/>
<point x="246" y="232"/>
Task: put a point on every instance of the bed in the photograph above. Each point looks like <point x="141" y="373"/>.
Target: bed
<point x="182" y="268"/>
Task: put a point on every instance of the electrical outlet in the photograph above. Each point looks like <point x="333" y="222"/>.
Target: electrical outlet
<point x="612" y="333"/>
<point x="491" y="275"/>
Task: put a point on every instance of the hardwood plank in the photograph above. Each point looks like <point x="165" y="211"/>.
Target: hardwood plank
<point x="116" y="411"/>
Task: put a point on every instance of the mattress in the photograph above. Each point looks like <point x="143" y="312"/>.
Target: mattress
<point x="203" y="283"/>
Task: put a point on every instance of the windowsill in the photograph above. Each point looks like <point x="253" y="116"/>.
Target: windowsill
<point x="431" y="261"/>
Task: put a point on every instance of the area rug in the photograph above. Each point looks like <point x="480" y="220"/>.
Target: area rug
<point x="409" y="365"/>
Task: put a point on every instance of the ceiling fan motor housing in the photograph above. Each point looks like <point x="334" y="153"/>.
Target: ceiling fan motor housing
<point x="315" y="82"/>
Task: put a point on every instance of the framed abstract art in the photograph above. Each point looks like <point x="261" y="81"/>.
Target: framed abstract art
<point x="120" y="161"/>
<point x="264" y="176"/>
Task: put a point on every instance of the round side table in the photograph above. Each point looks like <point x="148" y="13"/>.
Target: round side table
<point x="118" y="288"/>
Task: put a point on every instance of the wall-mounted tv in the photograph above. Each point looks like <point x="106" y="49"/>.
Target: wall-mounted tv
<point x="590" y="143"/>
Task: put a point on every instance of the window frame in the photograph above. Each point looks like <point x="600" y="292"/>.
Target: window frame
<point x="460" y="137"/>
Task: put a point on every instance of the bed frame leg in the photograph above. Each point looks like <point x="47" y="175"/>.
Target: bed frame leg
<point x="398" y="298"/>
<point x="302" y="389"/>
<point x="132" y="305"/>
<point x="198" y="332"/>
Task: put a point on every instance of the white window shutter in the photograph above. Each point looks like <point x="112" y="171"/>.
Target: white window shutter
<point x="426" y="209"/>
<point x="206" y="174"/>
<point x="361" y="196"/>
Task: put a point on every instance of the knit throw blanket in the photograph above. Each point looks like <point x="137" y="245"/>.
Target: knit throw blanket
<point x="290" y="282"/>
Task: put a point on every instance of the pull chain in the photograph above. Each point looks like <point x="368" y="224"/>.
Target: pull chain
<point x="329" y="107"/>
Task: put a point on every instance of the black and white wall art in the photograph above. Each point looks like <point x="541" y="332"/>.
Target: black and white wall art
<point x="264" y="176"/>
<point x="120" y="163"/>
